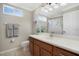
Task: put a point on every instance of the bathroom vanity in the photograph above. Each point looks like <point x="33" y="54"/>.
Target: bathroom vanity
<point x="56" y="46"/>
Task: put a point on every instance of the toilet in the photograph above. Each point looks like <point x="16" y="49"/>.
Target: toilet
<point x="25" y="45"/>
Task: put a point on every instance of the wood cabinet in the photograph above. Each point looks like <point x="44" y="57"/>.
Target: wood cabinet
<point x="61" y="52"/>
<point x="31" y="45"/>
<point x="39" y="48"/>
<point x="36" y="50"/>
<point x="43" y="52"/>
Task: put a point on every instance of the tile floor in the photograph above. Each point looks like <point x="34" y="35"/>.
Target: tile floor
<point x="19" y="52"/>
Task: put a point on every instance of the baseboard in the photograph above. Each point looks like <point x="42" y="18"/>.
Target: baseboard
<point x="2" y="52"/>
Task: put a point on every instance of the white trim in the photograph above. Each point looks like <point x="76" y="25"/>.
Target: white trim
<point x="2" y="52"/>
<point x="14" y="9"/>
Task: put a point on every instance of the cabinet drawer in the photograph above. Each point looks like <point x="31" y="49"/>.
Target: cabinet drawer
<point x="43" y="45"/>
<point x="61" y="52"/>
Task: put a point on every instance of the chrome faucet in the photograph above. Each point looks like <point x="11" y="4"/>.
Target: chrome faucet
<point x="51" y="34"/>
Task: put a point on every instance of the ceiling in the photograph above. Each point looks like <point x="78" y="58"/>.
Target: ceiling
<point x="40" y="10"/>
<point x="56" y="11"/>
<point x="28" y="6"/>
<point x="33" y="6"/>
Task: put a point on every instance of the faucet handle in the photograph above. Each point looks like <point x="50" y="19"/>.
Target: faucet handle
<point x="52" y="32"/>
<point x="64" y="32"/>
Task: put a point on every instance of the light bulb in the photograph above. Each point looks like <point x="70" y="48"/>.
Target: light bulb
<point x="56" y="6"/>
<point x="63" y="4"/>
<point x="53" y="4"/>
<point x="50" y="9"/>
<point x="46" y="11"/>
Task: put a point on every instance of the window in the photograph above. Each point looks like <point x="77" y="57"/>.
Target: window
<point x="9" y="10"/>
<point x="18" y="12"/>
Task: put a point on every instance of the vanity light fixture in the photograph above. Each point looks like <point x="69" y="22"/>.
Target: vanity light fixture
<point x="63" y="4"/>
<point x="50" y="8"/>
<point x="46" y="11"/>
<point x="56" y="6"/>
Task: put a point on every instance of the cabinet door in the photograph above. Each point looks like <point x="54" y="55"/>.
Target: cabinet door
<point x="31" y="47"/>
<point x="36" y="50"/>
<point x="43" y="52"/>
<point x="61" y="52"/>
<point x="43" y="45"/>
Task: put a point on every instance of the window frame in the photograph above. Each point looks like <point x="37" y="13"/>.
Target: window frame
<point x="14" y="13"/>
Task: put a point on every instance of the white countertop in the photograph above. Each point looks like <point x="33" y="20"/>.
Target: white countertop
<point x="60" y="41"/>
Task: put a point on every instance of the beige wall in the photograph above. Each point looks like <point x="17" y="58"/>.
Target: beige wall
<point x="25" y="29"/>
